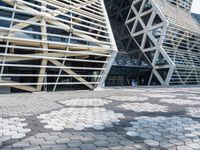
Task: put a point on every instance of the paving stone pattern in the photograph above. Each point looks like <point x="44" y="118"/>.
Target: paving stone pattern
<point x="13" y="128"/>
<point x="166" y="132"/>
<point x="193" y="111"/>
<point x="150" y="118"/>
<point x="85" y="102"/>
<point x="80" y="118"/>
<point x="144" y="107"/>
<point x="128" y="98"/>
<point x="180" y="101"/>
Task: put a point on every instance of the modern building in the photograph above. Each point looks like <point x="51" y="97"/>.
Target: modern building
<point x="69" y="44"/>
<point x="54" y="44"/>
<point x="169" y="37"/>
<point x="130" y="63"/>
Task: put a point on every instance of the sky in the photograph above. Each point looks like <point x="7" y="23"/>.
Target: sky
<point x="196" y="6"/>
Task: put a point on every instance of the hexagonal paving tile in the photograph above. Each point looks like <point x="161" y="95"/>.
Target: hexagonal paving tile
<point x="80" y="118"/>
<point x="159" y="95"/>
<point x="180" y="101"/>
<point x="194" y="97"/>
<point x="13" y="128"/>
<point x="167" y="132"/>
<point x="128" y="98"/>
<point x="85" y="102"/>
<point x="151" y="142"/>
<point x="26" y="105"/>
<point x="193" y="111"/>
<point x="144" y="107"/>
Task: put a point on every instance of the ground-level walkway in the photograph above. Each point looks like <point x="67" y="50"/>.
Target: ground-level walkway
<point x="140" y="118"/>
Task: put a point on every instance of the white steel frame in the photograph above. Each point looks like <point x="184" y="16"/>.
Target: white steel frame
<point x="86" y="34"/>
<point x="169" y="38"/>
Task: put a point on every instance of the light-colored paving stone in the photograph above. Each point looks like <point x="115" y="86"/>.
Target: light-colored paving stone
<point x="21" y="144"/>
<point x="167" y="145"/>
<point x="180" y="101"/>
<point x="194" y="97"/>
<point x="85" y="102"/>
<point x="178" y="132"/>
<point x="193" y="145"/>
<point x="144" y="107"/>
<point x="151" y="142"/>
<point x="176" y="142"/>
<point x="184" y="148"/>
<point x="87" y="146"/>
<point x="27" y="104"/>
<point x="132" y="133"/>
<point x="193" y="111"/>
<point x="159" y="95"/>
<point x="13" y="128"/>
<point x="80" y="118"/>
<point x="128" y="98"/>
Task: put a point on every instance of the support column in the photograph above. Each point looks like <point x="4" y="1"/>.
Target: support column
<point x="45" y="46"/>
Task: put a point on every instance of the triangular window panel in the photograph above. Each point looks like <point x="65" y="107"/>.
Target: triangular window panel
<point x="163" y="73"/>
<point x="155" y="81"/>
<point x="148" y="43"/>
<point x="125" y="42"/>
<point x="146" y="18"/>
<point x="130" y="25"/>
<point x="157" y="33"/>
<point x="175" y="80"/>
<point x="161" y="60"/>
<point x="143" y="61"/>
<point x="138" y="5"/>
<point x="138" y="27"/>
<point x="183" y="74"/>
<point x="191" y="79"/>
<point x="147" y="6"/>
<point x="132" y="46"/>
<point x="139" y="39"/>
<point x="157" y="20"/>
<point x="150" y="55"/>
<point x="131" y="15"/>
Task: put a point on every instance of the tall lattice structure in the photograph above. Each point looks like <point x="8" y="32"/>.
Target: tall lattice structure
<point x="51" y="43"/>
<point x="169" y="37"/>
<point x="127" y="48"/>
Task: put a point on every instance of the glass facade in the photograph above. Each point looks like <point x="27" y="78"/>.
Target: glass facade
<point x="130" y="63"/>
